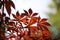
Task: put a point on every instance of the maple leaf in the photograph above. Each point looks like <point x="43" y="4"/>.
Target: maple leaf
<point x="20" y="17"/>
<point x="43" y="23"/>
<point x="8" y="5"/>
<point x="30" y="16"/>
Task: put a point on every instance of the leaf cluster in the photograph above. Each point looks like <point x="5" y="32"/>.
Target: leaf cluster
<point x="16" y="25"/>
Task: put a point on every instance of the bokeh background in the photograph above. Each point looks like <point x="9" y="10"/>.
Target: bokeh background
<point x="46" y="8"/>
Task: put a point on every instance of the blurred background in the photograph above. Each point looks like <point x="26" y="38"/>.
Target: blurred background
<point x="46" y="8"/>
<point x="54" y="18"/>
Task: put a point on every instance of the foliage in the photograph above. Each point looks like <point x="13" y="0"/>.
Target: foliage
<point x="17" y="29"/>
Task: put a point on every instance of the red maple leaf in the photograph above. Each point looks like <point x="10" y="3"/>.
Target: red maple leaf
<point x="43" y="23"/>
